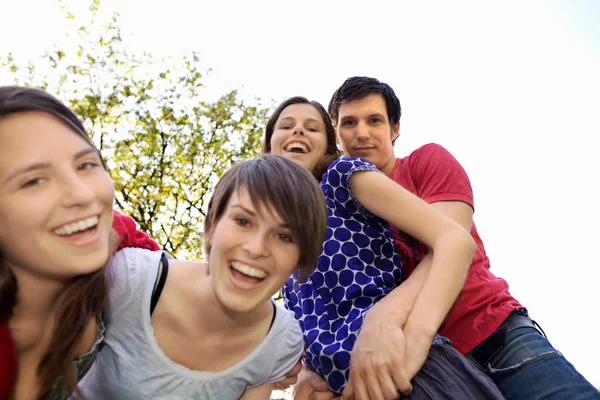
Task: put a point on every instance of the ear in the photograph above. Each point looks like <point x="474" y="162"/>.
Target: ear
<point x="338" y="142"/>
<point x="395" y="131"/>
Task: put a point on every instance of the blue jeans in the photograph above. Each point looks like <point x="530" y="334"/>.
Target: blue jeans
<point x="529" y="368"/>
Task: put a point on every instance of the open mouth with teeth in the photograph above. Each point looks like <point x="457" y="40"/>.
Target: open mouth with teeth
<point x="245" y="273"/>
<point x="79" y="228"/>
<point x="296" y="147"/>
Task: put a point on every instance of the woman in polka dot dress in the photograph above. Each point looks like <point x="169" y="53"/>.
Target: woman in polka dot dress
<point x="359" y="266"/>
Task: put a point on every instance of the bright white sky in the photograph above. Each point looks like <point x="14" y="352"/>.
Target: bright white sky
<point x="508" y="87"/>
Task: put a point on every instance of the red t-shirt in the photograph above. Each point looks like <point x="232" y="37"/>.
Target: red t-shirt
<point x="433" y="174"/>
<point x="8" y="362"/>
<point x="129" y="234"/>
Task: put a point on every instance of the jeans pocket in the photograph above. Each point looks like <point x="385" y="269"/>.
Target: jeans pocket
<point x="524" y="347"/>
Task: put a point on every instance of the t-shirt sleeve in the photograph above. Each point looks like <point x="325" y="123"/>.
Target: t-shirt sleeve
<point x="290" y="345"/>
<point x="336" y="185"/>
<point x="124" y="276"/>
<point x="129" y="235"/>
<point x="438" y="176"/>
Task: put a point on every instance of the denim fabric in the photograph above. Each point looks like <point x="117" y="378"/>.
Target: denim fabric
<point x="529" y="368"/>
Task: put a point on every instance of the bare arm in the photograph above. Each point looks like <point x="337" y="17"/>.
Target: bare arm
<point x="262" y="392"/>
<point x="451" y="245"/>
<point x="398" y="304"/>
<point x="397" y="332"/>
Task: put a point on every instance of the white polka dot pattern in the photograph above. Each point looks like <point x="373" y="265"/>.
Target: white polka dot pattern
<point x="357" y="267"/>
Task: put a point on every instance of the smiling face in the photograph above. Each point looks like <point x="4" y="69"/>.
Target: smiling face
<point x="299" y="135"/>
<point x="252" y="253"/>
<point x="55" y="199"/>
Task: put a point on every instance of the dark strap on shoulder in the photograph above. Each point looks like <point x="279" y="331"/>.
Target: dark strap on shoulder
<point x="273" y="319"/>
<point x="161" y="282"/>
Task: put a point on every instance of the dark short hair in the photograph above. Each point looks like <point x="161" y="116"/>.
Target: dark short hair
<point x="359" y="87"/>
<point x="331" y="153"/>
<point x="274" y="182"/>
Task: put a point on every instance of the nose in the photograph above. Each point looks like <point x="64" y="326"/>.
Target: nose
<point x="75" y="191"/>
<point x="362" y="131"/>
<point x="256" y="245"/>
<point x="298" y="130"/>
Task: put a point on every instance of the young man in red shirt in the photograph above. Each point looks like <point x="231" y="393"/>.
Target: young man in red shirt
<point x="485" y="322"/>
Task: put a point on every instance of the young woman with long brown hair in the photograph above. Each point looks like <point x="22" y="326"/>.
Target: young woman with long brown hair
<point x="56" y="213"/>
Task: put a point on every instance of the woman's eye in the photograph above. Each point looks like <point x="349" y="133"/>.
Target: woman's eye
<point x="242" y="221"/>
<point x="89" y="165"/>
<point x="286" y="237"/>
<point x="32" y="182"/>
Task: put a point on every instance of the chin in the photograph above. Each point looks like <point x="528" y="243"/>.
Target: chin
<point x="93" y="262"/>
<point x="239" y="304"/>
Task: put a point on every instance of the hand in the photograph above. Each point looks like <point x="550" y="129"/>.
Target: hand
<point x="418" y="343"/>
<point x="311" y="386"/>
<point x="377" y="368"/>
<point x="291" y="377"/>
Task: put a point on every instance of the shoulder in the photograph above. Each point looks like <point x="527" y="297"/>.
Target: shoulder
<point x="430" y="150"/>
<point x="127" y="268"/>
<point x="347" y="164"/>
<point x="340" y="171"/>
<point x="133" y="257"/>
<point x="286" y="343"/>
<point x="430" y="160"/>
<point x="285" y="318"/>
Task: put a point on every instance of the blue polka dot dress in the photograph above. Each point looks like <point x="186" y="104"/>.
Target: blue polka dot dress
<point x="357" y="267"/>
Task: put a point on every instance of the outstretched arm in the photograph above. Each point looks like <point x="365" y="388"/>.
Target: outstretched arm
<point x="425" y="298"/>
<point x="451" y="244"/>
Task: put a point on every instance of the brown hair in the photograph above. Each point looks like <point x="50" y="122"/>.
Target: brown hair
<point x="84" y="297"/>
<point x="331" y="153"/>
<point x="284" y="186"/>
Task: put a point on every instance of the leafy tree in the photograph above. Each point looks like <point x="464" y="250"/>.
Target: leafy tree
<point x="165" y="144"/>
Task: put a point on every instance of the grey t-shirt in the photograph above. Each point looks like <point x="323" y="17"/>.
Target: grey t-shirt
<point x="132" y="366"/>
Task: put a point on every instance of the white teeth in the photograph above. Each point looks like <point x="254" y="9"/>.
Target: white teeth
<point x="296" y="145"/>
<point x="77" y="226"/>
<point x="248" y="270"/>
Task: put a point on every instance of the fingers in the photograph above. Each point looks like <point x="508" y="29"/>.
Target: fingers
<point x="348" y="393"/>
<point x="322" y="396"/>
<point x="317" y="383"/>
<point x="291" y="377"/>
<point x="388" y="387"/>
<point x="402" y="383"/>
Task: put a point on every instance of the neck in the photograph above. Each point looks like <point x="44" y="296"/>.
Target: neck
<point x="223" y="320"/>
<point x="36" y="295"/>
<point x="388" y="166"/>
